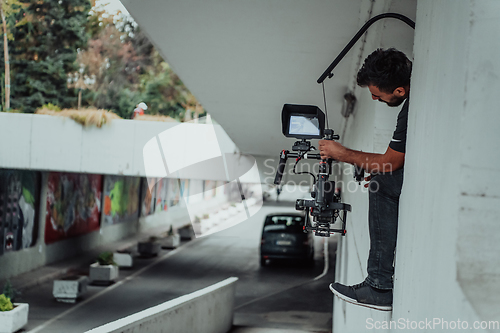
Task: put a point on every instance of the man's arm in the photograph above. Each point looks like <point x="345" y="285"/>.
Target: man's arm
<point x="373" y="163"/>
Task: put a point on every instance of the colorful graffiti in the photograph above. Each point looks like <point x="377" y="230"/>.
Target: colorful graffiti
<point x="174" y="193"/>
<point x="148" y="197"/>
<point x="19" y="197"/>
<point x="162" y="188"/>
<point x="73" y="205"/>
<point x="121" y="199"/>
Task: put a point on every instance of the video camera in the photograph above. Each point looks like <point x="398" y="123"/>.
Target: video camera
<point x="306" y="122"/>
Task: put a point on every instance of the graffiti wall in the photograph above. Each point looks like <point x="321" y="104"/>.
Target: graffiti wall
<point x="73" y="205"/>
<point x="148" y="198"/>
<point x="121" y="199"/>
<point x="174" y="193"/>
<point x="166" y="193"/>
<point x="162" y="188"/>
<point x="19" y="201"/>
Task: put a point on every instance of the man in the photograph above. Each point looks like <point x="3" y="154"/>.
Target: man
<point x="139" y="110"/>
<point x="386" y="73"/>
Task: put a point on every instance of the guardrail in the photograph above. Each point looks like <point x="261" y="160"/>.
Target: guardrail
<point x="209" y="310"/>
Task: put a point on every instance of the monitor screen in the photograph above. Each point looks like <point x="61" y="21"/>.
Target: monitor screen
<point x="301" y="125"/>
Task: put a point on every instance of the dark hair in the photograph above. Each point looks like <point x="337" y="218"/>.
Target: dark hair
<point x="386" y="70"/>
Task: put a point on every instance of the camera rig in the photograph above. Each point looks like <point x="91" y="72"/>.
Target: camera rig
<point x="307" y="122"/>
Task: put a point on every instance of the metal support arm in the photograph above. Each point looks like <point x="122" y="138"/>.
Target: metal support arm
<point x="328" y="73"/>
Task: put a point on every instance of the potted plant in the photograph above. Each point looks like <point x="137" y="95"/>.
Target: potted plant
<point x="172" y="240"/>
<point x="69" y="288"/>
<point x="123" y="259"/>
<point x="186" y="232"/>
<point x="149" y="248"/>
<point x="13" y="316"/>
<point x="104" y="271"/>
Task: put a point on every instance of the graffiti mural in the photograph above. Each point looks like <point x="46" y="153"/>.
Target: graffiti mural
<point x="161" y="194"/>
<point x="73" y="205"/>
<point x="148" y="197"/>
<point x="174" y="193"/>
<point x="121" y="199"/>
<point x="19" y="198"/>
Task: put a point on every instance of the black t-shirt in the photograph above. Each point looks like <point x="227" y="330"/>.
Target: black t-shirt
<point x="398" y="142"/>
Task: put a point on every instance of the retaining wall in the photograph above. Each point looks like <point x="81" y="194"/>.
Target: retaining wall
<point x="209" y="310"/>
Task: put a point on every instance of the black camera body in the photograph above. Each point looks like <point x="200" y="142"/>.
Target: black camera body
<point x="307" y="122"/>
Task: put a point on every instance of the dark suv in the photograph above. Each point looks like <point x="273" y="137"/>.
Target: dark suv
<point x="283" y="238"/>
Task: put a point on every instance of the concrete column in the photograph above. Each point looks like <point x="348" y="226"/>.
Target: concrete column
<point x="447" y="263"/>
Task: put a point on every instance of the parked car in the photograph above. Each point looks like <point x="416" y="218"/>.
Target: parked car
<point x="283" y="237"/>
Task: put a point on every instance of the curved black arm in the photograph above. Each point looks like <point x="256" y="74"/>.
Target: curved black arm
<point x="328" y="72"/>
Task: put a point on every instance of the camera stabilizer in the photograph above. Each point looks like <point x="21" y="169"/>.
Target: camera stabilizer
<point x="308" y="122"/>
<point x="325" y="207"/>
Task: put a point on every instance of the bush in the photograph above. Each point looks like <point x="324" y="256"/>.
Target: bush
<point x="106" y="258"/>
<point x="52" y="107"/>
<point x="5" y="303"/>
<point x="10" y="292"/>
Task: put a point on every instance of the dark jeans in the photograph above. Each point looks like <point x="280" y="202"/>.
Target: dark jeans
<point x="385" y="190"/>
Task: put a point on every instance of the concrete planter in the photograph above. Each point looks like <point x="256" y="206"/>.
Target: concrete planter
<point x="123" y="260"/>
<point x="186" y="233"/>
<point x="103" y="274"/>
<point x="13" y="320"/>
<point x="68" y="289"/>
<point x="149" y="248"/>
<point x="171" y="242"/>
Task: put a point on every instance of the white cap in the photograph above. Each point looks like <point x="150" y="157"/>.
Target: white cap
<point x="143" y="106"/>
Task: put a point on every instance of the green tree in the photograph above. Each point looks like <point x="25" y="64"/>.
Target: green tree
<point x="45" y="50"/>
<point x="127" y="69"/>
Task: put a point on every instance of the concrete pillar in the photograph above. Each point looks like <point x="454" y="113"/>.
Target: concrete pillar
<point x="447" y="263"/>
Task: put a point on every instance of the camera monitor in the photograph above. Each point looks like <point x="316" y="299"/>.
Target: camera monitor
<point x="302" y="121"/>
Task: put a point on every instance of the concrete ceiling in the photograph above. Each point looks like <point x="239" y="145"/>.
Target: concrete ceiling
<point x="244" y="59"/>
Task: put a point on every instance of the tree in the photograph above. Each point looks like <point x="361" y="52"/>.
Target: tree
<point x="45" y="51"/>
<point x="7" y="7"/>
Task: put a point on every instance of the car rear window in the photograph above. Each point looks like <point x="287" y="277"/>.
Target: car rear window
<point x="284" y="224"/>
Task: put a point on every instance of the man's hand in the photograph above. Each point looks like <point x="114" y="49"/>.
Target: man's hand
<point x="372" y="163"/>
<point x="368" y="179"/>
<point x="331" y="149"/>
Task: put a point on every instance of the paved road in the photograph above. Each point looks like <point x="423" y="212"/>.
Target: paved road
<point x="281" y="295"/>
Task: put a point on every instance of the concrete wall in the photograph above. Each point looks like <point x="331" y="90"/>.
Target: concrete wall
<point x="209" y="310"/>
<point x="42" y="142"/>
<point x="450" y="206"/>
<point x="24" y="260"/>
<point x="447" y="263"/>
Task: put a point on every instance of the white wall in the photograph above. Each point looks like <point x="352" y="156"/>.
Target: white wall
<point x="209" y="310"/>
<point x="447" y="263"/>
<point x="42" y="142"/>
<point x="450" y="206"/>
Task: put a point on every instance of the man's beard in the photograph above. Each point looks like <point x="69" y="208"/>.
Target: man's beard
<point x="396" y="101"/>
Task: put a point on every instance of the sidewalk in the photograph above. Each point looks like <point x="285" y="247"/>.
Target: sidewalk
<point x="78" y="265"/>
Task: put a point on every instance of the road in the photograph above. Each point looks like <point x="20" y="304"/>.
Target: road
<point x="281" y="295"/>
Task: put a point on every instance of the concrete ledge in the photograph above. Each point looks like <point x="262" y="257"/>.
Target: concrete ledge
<point x="209" y="310"/>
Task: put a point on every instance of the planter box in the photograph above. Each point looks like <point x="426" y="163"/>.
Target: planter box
<point x="149" y="249"/>
<point x="68" y="289"/>
<point x="171" y="242"/>
<point x="13" y="320"/>
<point x="123" y="260"/>
<point x="105" y="274"/>
<point x="186" y="233"/>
